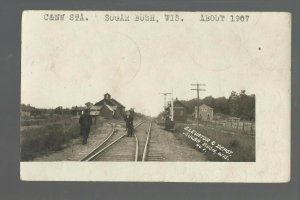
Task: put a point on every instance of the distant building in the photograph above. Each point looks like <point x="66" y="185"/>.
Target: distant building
<point x="109" y="107"/>
<point x="95" y="110"/>
<point x="233" y="119"/>
<point x="181" y="111"/>
<point x="77" y="110"/>
<point x="27" y="111"/>
<point x="206" y="113"/>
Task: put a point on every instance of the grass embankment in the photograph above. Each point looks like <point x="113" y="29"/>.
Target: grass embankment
<point x="237" y="130"/>
<point x="243" y="146"/>
<point x="48" y="137"/>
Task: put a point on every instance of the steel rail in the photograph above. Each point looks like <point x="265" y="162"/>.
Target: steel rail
<point x="136" y="148"/>
<point x="102" y="150"/>
<point x="97" y="148"/>
<point x="147" y="142"/>
<point x="96" y="154"/>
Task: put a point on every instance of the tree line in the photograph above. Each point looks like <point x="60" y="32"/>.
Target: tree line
<point x="45" y="111"/>
<point x="238" y="105"/>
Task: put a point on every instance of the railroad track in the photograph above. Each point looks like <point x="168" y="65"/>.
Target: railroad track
<point x="109" y="151"/>
<point x="154" y="147"/>
<point x="91" y="154"/>
<point x="145" y="152"/>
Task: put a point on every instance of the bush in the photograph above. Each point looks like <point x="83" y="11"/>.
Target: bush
<point x="38" y="141"/>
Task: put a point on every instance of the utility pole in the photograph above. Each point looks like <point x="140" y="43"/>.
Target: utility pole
<point x="172" y="106"/>
<point x="198" y="99"/>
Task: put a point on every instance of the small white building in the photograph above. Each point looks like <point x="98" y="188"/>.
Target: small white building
<point x="77" y="110"/>
<point x="95" y="110"/>
<point x="206" y="113"/>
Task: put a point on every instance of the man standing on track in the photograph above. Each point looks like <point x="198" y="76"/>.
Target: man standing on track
<point x="129" y="124"/>
<point x="85" y="122"/>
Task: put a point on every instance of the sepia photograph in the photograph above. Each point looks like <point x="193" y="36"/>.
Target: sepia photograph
<point x="124" y="90"/>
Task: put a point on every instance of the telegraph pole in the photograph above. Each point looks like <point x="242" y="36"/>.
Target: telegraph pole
<point x="198" y="99"/>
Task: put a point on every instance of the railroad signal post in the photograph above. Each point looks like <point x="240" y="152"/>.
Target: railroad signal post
<point x="165" y="98"/>
<point x="169" y="113"/>
<point x="198" y="99"/>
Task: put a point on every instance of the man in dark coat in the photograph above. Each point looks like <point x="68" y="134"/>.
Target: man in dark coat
<point x="129" y="124"/>
<point x="85" y="122"/>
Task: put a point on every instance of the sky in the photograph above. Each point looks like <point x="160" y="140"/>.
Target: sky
<point x="71" y="63"/>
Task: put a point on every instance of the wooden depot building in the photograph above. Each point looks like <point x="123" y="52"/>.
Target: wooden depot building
<point x="181" y="111"/>
<point x="108" y="108"/>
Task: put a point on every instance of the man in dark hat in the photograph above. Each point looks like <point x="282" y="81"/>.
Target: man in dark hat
<point x="129" y="124"/>
<point x="85" y="122"/>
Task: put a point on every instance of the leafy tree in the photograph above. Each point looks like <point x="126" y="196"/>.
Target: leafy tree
<point x="237" y="105"/>
<point x="233" y="103"/>
<point x="58" y="110"/>
<point x="89" y="105"/>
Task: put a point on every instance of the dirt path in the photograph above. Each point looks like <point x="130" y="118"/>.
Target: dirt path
<point x="168" y="146"/>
